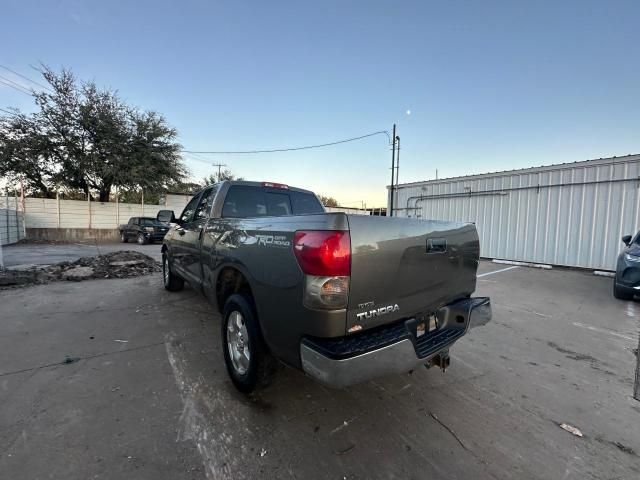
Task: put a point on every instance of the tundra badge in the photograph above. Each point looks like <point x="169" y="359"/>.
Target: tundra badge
<point x="378" y="312"/>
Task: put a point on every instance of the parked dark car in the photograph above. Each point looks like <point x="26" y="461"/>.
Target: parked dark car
<point x="143" y="230"/>
<point x="344" y="298"/>
<point x="626" y="283"/>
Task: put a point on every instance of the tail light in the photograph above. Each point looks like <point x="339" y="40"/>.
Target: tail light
<point x="321" y="252"/>
<point x="325" y="258"/>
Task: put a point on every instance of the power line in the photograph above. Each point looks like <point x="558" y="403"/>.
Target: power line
<point x="9" y="112"/>
<point x="25" y="77"/>
<point x="14" y="85"/>
<point x="199" y="158"/>
<point x="192" y="157"/>
<point x="291" y="149"/>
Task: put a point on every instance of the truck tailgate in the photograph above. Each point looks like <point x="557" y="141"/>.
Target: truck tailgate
<point x="402" y="267"/>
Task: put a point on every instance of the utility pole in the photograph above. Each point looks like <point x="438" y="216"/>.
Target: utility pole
<point x="219" y="165"/>
<point x="393" y="169"/>
<point x="398" y="163"/>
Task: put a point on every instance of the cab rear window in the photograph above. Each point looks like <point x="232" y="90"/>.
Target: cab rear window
<point x="244" y="201"/>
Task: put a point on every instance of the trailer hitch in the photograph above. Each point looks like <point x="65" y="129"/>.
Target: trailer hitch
<point x="442" y="360"/>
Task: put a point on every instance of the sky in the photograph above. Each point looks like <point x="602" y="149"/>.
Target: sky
<point x="474" y="86"/>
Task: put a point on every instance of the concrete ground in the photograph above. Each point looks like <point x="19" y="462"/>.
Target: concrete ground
<point x="148" y="396"/>
<point x="27" y="254"/>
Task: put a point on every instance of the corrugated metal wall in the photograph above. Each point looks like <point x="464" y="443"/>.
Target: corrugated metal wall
<point x="570" y="214"/>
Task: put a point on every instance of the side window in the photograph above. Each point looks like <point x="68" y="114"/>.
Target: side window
<point x="278" y="204"/>
<point x="243" y="201"/>
<point x="305" y="203"/>
<point x="187" y="213"/>
<point x="204" y="207"/>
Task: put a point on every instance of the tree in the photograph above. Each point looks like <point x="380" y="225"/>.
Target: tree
<point x="87" y="138"/>
<point x="225" y="174"/>
<point x="328" y="201"/>
<point x="21" y="153"/>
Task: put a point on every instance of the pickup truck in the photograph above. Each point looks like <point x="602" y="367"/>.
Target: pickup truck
<point x="344" y="298"/>
<point x="143" y="230"/>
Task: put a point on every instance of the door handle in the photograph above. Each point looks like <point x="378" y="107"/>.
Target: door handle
<point x="436" y="245"/>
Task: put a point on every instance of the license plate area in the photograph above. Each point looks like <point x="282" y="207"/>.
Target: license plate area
<point x="423" y="325"/>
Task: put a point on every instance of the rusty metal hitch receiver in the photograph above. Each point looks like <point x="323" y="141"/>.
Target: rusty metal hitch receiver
<point x="442" y="360"/>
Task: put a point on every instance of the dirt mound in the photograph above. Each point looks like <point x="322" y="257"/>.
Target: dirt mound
<point x="123" y="264"/>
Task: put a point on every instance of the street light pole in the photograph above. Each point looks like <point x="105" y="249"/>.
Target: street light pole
<point x="393" y="168"/>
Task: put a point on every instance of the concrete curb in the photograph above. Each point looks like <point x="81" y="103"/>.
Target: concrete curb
<point x="523" y="264"/>
<point x="602" y="273"/>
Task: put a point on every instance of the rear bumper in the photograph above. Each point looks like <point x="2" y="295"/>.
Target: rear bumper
<point x="396" y="348"/>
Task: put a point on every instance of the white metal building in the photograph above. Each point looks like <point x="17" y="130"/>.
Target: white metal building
<point x="570" y="214"/>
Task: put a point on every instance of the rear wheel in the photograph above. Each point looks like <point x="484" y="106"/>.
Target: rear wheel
<point x="246" y="356"/>
<point x="142" y="240"/>
<point x="621" y="292"/>
<point x="172" y="282"/>
<point x="123" y="237"/>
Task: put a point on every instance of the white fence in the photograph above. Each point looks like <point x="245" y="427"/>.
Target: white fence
<point x="11" y="220"/>
<point x="56" y="213"/>
<point x="351" y="211"/>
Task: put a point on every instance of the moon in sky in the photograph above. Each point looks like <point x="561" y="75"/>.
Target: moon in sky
<point x="408" y="112"/>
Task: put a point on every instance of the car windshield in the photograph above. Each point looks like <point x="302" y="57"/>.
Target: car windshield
<point x="148" y="222"/>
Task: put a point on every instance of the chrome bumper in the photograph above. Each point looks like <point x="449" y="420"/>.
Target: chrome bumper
<point x="405" y="353"/>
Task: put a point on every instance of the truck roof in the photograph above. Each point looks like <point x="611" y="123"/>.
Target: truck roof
<point x="257" y="184"/>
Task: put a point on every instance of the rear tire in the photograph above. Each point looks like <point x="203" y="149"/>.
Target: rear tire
<point x="142" y="240"/>
<point x="172" y="282"/>
<point x="621" y="293"/>
<point x="248" y="361"/>
<point x="123" y="237"/>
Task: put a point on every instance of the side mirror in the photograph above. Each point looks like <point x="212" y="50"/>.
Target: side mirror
<point x="166" y="216"/>
<point x="626" y="240"/>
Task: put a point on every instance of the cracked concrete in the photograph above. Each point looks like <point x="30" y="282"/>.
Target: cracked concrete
<point x="160" y="406"/>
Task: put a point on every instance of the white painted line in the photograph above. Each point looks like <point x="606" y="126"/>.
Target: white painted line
<point x="602" y="273"/>
<point x="523" y="264"/>
<point x="496" y="271"/>
<point x="602" y="330"/>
